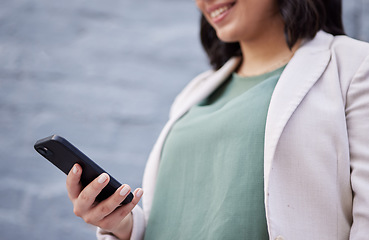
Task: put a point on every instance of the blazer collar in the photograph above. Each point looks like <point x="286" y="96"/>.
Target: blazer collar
<point x="301" y="73"/>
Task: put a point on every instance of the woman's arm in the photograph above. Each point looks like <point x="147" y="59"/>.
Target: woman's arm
<point x="357" y="117"/>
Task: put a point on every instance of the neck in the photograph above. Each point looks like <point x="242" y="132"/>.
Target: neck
<point x="266" y="52"/>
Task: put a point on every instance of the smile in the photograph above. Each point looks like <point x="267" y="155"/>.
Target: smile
<point x="217" y="11"/>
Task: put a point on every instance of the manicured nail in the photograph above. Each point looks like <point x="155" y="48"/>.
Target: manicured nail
<point x="75" y="170"/>
<point x="124" y="190"/>
<point x="139" y="193"/>
<point x="103" y="177"/>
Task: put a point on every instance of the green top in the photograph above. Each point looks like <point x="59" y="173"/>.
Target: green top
<point x="210" y="182"/>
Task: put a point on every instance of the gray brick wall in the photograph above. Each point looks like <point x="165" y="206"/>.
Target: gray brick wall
<point x="356" y="18"/>
<point x="103" y="75"/>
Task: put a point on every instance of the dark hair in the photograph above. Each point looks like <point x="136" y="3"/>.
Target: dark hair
<point x="302" y="19"/>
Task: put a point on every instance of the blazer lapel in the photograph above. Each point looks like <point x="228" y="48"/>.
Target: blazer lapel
<point x="304" y="69"/>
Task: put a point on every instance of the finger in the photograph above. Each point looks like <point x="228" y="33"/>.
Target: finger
<point x="107" y="206"/>
<point x="111" y="220"/>
<point x="88" y="195"/>
<point x="124" y="210"/>
<point x="74" y="186"/>
<point x="137" y="196"/>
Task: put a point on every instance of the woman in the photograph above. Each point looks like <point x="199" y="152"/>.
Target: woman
<point x="271" y="145"/>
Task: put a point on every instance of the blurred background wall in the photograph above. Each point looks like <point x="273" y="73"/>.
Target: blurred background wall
<point x="103" y="75"/>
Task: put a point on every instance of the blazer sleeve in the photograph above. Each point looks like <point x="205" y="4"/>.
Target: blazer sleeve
<point x="357" y="118"/>
<point x="138" y="229"/>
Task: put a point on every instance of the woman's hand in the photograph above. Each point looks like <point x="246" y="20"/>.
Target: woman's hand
<point x="108" y="214"/>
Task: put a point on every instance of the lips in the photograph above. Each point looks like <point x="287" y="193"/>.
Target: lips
<point x="217" y="12"/>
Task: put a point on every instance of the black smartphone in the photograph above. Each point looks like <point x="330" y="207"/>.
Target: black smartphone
<point x="64" y="155"/>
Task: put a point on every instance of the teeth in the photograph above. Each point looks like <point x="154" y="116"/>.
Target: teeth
<point x="219" y="11"/>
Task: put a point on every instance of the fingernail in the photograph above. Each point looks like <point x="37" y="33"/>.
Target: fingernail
<point x="103" y="177"/>
<point x="75" y="169"/>
<point x="139" y="193"/>
<point x="124" y="190"/>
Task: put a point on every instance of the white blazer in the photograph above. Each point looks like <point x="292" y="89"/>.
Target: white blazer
<point x="316" y="154"/>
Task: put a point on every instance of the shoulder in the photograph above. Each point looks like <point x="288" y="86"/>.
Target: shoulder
<point x="349" y="48"/>
<point x="347" y="55"/>
<point x="340" y="45"/>
<point x="350" y="56"/>
<point x="343" y="41"/>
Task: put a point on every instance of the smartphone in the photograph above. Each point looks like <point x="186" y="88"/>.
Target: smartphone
<point x="64" y="155"/>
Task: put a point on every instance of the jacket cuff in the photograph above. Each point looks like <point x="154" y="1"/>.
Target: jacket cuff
<point x="139" y="225"/>
<point x="138" y="229"/>
<point x="104" y="235"/>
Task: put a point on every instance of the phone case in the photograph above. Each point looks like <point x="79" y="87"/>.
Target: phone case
<point x="64" y="155"/>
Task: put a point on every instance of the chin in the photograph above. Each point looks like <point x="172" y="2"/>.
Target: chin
<point x="228" y="33"/>
<point x="228" y="38"/>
